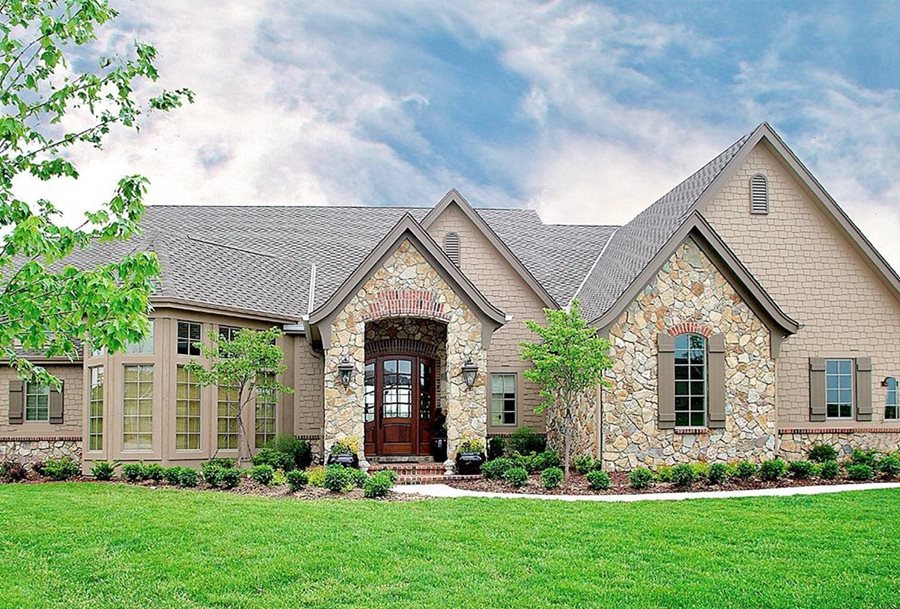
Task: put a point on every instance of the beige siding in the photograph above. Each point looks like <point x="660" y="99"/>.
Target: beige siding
<point x="308" y="397"/>
<point x="503" y="287"/>
<point x="71" y="376"/>
<point x="800" y="257"/>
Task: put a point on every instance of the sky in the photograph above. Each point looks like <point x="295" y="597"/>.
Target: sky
<point x="585" y="111"/>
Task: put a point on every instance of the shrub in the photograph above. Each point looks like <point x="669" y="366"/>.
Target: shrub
<point x="701" y="469"/>
<point x="683" y="475"/>
<point x="598" y="479"/>
<point x="153" y="471"/>
<point x="830" y="470"/>
<point x="13" y="471"/>
<point x="664" y="473"/>
<point x="552" y="477"/>
<point x="493" y="470"/>
<point x="187" y="477"/>
<point x="279" y="478"/>
<point x="298" y="449"/>
<point x="172" y="475"/>
<point x="61" y="469"/>
<point x="297" y="479"/>
<point x="745" y="470"/>
<point x="865" y="457"/>
<point x="338" y="478"/>
<point x="225" y="462"/>
<point x="545" y="460"/>
<point x="718" y="473"/>
<point x="378" y="485"/>
<point x="772" y="469"/>
<point x="103" y="470"/>
<point x="526" y="441"/>
<point x="274" y="459"/>
<point x="517" y="476"/>
<point x="262" y="474"/>
<point x="228" y="477"/>
<point x="316" y="476"/>
<point x="133" y="472"/>
<point x="359" y="477"/>
<point x="212" y="469"/>
<point x="391" y="474"/>
<point x="471" y="445"/>
<point x="890" y="465"/>
<point x="860" y="471"/>
<point x="585" y="463"/>
<point x="496" y="447"/>
<point x="526" y="462"/>
<point x="802" y="470"/>
<point x="640" y="477"/>
<point x="38" y="467"/>
<point x="820" y="453"/>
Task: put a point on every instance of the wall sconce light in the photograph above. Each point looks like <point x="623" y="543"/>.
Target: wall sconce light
<point x="469" y="370"/>
<point x="345" y="368"/>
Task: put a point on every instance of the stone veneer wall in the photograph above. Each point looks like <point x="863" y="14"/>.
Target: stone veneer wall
<point x="688" y="288"/>
<point x="584" y="435"/>
<point x="29" y="451"/>
<point x="794" y="444"/>
<point x="405" y="269"/>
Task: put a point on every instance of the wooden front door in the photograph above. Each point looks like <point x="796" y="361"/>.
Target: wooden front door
<point x="399" y="404"/>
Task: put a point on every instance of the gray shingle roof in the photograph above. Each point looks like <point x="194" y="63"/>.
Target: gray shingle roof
<point x="635" y="244"/>
<point x="259" y="257"/>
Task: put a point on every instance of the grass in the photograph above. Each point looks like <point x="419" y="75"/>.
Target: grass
<point x="81" y="545"/>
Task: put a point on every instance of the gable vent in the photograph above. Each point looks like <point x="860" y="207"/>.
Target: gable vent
<point x="451" y="247"/>
<point x="759" y="194"/>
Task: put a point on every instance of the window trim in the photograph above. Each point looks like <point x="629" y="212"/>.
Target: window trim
<point x="96" y="382"/>
<point x="852" y="376"/>
<point x="152" y="399"/>
<point x="515" y="411"/>
<point x="190" y="381"/>
<point x="43" y="391"/>
<point x="192" y="351"/>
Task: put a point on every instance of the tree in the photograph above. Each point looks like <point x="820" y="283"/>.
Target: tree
<point x="249" y="363"/>
<point x="46" y="305"/>
<point x="568" y="361"/>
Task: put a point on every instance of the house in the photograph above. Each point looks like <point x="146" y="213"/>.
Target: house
<point x="748" y="318"/>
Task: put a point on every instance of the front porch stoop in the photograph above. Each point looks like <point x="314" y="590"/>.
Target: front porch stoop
<point x="419" y="473"/>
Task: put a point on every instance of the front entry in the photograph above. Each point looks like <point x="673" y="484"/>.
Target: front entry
<point x="399" y="404"/>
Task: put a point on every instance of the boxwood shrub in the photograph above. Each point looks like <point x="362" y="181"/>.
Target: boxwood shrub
<point x="274" y="459"/>
<point x="338" y="479"/>
<point x="598" y="479"/>
<point x="552" y="477"/>
<point x="717" y="474"/>
<point x="378" y="485"/>
<point x="890" y="465"/>
<point x="494" y="470"/>
<point x="262" y="474"/>
<point x="640" y="477"/>
<point x="820" y="453"/>
<point x="802" y="470"/>
<point x="517" y="476"/>
<point x="745" y="470"/>
<point x="61" y="469"/>
<point x="772" y="469"/>
<point x="585" y="463"/>
<point x="359" y="477"/>
<point x="297" y="479"/>
<point x="683" y="474"/>
<point x="860" y="471"/>
<point x="830" y="470"/>
<point x="133" y="472"/>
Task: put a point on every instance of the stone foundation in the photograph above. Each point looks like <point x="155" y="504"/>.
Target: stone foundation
<point x="794" y="444"/>
<point x="33" y="450"/>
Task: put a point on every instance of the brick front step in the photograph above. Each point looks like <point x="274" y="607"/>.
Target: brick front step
<point x="433" y="479"/>
<point x="409" y="468"/>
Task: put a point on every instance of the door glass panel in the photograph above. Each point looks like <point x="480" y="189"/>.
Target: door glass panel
<point x="369" y="396"/>
<point x="424" y="391"/>
<point x="397" y="391"/>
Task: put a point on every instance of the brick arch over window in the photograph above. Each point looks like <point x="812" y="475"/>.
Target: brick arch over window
<point x="406" y="303"/>
<point x="408" y="346"/>
<point x="715" y="380"/>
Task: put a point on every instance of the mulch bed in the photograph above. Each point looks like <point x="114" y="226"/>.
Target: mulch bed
<point x="578" y="485"/>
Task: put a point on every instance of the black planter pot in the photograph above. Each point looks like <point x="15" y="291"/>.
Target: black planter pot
<point x="439" y="449"/>
<point x="469" y="463"/>
<point x="345" y="460"/>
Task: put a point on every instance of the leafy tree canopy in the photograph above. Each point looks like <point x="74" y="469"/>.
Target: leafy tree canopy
<point x="46" y="305"/>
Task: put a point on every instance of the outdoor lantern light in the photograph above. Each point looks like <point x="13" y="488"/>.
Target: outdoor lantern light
<point x="469" y="370"/>
<point x="345" y="368"/>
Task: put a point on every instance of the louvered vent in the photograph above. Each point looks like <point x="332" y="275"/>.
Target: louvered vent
<point x="451" y="247"/>
<point x="759" y="194"/>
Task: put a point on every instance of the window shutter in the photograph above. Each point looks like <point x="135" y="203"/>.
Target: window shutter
<point x="816" y="389"/>
<point x="16" y="402"/>
<point x="665" y="364"/>
<point x="863" y="388"/>
<point x="56" y="405"/>
<point x="716" y="416"/>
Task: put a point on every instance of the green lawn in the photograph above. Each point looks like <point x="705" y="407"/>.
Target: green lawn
<point x="106" y="545"/>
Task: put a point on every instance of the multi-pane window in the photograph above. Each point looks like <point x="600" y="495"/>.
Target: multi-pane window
<point x="266" y="398"/>
<point x="187" y="411"/>
<point x="188" y="337"/>
<point x="369" y="394"/>
<point x="37" y="402"/>
<point x="95" y="409"/>
<point x="145" y="346"/>
<point x="227" y="424"/>
<point x="228" y="332"/>
<point x="839" y="388"/>
<point x="891" y="406"/>
<point x="398" y="389"/>
<point x="137" y="407"/>
<point x="503" y="399"/>
<point x="690" y="380"/>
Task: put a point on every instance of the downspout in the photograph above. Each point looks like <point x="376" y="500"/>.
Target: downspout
<point x="600" y="423"/>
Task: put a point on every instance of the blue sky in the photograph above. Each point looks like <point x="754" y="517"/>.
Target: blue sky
<point x="585" y="111"/>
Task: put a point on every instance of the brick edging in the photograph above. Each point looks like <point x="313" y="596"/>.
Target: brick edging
<point x="808" y="430"/>
<point x="40" y="439"/>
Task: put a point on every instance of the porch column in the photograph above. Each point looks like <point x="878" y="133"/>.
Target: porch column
<point x="344" y="408"/>
<point x="467" y="408"/>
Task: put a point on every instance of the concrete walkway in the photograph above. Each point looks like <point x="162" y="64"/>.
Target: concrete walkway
<point x="442" y="490"/>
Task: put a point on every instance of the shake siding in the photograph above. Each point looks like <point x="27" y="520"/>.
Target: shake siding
<point x="72" y="377"/>
<point x="503" y="287"/>
<point x="308" y="395"/>
<point x="818" y="278"/>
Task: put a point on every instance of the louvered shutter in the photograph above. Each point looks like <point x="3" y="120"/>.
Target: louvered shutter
<point x="16" y="402"/>
<point x="716" y="405"/>
<point x="816" y="389"/>
<point x="665" y="362"/>
<point x="56" y="405"/>
<point x="863" y="388"/>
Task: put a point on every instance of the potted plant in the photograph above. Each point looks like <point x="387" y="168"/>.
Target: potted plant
<point x="470" y="456"/>
<point x="343" y="452"/>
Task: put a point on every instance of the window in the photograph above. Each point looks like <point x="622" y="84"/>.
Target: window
<point x="759" y="194"/>
<point x="369" y="394"/>
<point x="503" y="399"/>
<point x="227" y="424"/>
<point x="95" y="410"/>
<point x="396" y="402"/>
<point x="228" y="332"/>
<point x="839" y="388"/>
<point x="145" y="346"/>
<point x="266" y="400"/>
<point x="690" y="380"/>
<point x="187" y="411"/>
<point x="37" y="402"/>
<point x="890" y="408"/>
<point x="451" y="247"/>
<point x="137" y="408"/>
<point x="188" y="336"/>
